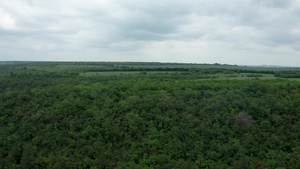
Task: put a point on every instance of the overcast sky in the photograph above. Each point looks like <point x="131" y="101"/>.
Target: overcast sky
<point x="247" y="32"/>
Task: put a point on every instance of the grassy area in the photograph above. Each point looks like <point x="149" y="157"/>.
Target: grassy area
<point x="246" y="76"/>
<point x="109" y="73"/>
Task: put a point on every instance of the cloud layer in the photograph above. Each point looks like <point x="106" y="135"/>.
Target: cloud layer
<point x="250" y="32"/>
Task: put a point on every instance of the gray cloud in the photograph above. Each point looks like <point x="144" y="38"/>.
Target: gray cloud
<point x="238" y="32"/>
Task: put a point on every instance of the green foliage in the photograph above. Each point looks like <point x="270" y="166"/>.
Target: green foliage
<point x="288" y="74"/>
<point x="58" y="119"/>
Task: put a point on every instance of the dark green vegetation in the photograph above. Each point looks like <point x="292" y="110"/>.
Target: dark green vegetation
<point x="53" y="115"/>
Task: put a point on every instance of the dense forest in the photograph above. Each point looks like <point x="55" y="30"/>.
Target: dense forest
<point x="76" y="115"/>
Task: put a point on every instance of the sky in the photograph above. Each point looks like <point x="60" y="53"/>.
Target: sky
<point x="242" y="32"/>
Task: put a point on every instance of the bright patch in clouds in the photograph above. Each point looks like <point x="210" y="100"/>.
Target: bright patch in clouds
<point x="252" y="32"/>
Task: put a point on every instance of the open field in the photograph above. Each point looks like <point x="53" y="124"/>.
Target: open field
<point x="121" y="73"/>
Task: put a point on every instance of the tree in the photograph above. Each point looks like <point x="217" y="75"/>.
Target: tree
<point x="244" y="120"/>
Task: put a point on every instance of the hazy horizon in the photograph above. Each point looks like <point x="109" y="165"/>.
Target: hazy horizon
<point x="251" y="32"/>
